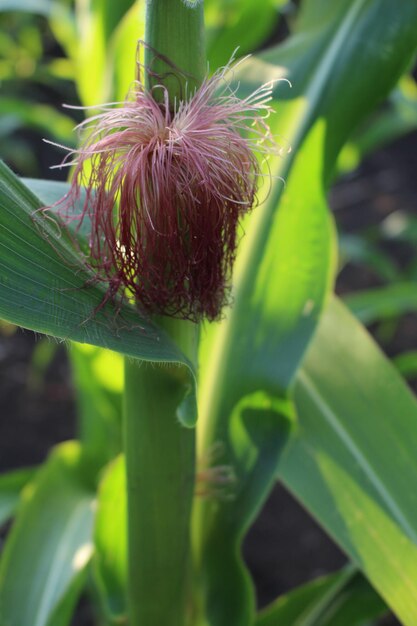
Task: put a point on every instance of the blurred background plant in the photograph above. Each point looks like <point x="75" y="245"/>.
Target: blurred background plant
<point x="83" y="53"/>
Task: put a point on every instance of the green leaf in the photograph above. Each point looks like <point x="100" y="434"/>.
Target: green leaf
<point x="110" y="557"/>
<point x="123" y="46"/>
<point x="357" y="249"/>
<point x="98" y="379"/>
<point x="394" y="120"/>
<point x="11" y="485"/>
<point x="240" y="25"/>
<point x="380" y="303"/>
<point x="48" y="191"/>
<point x="286" y="262"/>
<point x="97" y="22"/>
<point x="406" y="363"/>
<point x="43" y="564"/>
<point x="40" y="117"/>
<point x="246" y="408"/>
<point x="342" y="599"/>
<point x="45" y="286"/>
<point x="352" y="462"/>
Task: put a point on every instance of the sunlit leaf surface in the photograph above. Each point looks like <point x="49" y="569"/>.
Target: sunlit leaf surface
<point x="352" y="462"/>
<point x="341" y="599"/>
<point x="43" y="562"/>
<point x="110" y="561"/>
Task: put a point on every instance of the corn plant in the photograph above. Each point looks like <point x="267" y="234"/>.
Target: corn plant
<point x="272" y="380"/>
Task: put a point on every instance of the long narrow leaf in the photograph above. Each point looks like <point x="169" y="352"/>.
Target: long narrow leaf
<point x="380" y="303"/>
<point x="11" y="485"/>
<point x="98" y="379"/>
<point x="110" y="560"/>
<point x="353" y="460"/>
<point x="97" y="22"/>
<point x="43" y="564"/>
<point x="342" y="599"/>
<point x="238" y="24"/>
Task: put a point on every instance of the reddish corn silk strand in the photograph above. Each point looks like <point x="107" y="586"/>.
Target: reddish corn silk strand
<point x="165" y="190"/>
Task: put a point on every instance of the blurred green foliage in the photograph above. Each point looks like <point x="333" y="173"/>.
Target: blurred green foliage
<point x="35" y="77"/>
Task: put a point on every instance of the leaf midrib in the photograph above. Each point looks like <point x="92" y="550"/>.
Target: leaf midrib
<point x="49" y="589"/>
<point x="330" y="416"/>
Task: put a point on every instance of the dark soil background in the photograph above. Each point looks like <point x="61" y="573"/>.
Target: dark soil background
<point x="285" y="547"/>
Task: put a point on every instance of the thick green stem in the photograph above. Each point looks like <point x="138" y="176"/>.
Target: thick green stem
<point x="160" y="467"/>
<point x="175" y="32"/>
<point x="160" y="483"/>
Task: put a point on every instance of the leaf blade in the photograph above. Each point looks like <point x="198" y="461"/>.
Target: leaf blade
<point x="110" y="559"/>
<point x="50" y="543"/>
<point x="380" y="303"/>
<point x="341" y="599"/>
<point x="46" y="287"/>
<point x="11" y="485"/>
<point x="356" y="444"/>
